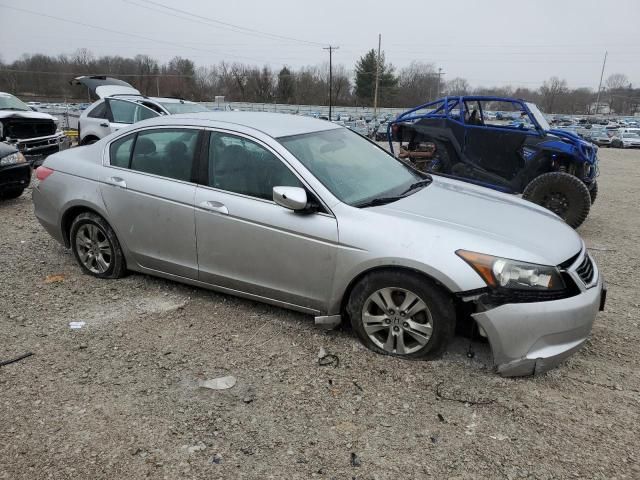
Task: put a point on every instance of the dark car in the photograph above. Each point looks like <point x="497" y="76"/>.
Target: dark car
<point x="15" y="172"/>
<point x="454" y="137"/>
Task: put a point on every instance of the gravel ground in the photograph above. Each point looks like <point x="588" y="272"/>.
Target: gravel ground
<point x="119" y="398"/>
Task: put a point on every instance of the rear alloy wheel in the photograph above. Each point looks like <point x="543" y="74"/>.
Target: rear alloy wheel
<point x="96" y="247"/>
<point x="565" y="195"/>
<point x="401" y="314"/>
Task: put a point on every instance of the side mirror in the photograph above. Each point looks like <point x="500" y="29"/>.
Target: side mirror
<point x="293" y="198"/>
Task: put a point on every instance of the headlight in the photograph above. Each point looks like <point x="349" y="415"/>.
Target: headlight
<point x="12" y="159"/>
<point x="505" y="273"/>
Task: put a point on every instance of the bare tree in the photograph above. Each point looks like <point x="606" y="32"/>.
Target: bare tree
<point x="458" y="86"/>
<point x="550" y="91"/>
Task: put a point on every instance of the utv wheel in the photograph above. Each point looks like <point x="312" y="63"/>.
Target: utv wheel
<point x="402" y="314"/>
<point x="593" y="191"/>
<point x="617" y="144"/>
<point x="565" y="195"/>
<point x="96" y="247"/>
<point x="11" y="193"/>
<point x="442" y="154"/>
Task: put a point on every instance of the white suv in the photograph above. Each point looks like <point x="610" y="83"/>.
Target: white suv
<point x="120" y="105"/>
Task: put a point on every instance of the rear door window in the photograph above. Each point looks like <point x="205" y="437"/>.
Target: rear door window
<point x="166" y="152"/>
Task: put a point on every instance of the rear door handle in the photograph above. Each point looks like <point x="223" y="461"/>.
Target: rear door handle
<point x="214" y="206"/>
<point x="105" y="124"/>
<point x="117" y="182"/>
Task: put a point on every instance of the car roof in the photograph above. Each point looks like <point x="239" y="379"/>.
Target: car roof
<point x="273" y="124"/>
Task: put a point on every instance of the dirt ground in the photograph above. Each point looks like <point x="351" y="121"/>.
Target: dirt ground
<point x="119" y="397"/>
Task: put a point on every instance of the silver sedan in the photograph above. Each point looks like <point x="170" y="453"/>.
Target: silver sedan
<point x="310" y="216"/>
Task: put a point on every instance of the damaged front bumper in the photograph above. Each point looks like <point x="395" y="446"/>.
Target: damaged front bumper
<point x="35" y="150"/>
<point x="531" y="338"/>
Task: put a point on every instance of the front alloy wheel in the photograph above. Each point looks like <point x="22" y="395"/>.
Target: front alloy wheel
<point x="402" y="313"/>
<point x="397" y="320"/>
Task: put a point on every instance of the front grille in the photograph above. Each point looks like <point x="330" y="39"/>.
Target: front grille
<point x="585" y="270"/>
<point x="27" y="128"/>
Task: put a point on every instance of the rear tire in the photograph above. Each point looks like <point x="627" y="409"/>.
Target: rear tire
<point x="402" y="314"/>
<point x="96" y="247"/>
<point x="565" y="195"/>
<point x="11" y="193"/>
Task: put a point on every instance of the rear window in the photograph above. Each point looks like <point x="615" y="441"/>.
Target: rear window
<point x="179" y="107"/>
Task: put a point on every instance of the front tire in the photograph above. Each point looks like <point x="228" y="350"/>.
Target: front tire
<point x="402" y="314"/>
<point x="96" y="247"/>
<point x="593" y="191"/>
<point x="565" y="195"/>
<point x="11" y="193"/>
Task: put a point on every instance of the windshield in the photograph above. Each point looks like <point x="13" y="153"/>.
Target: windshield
<point x="631" y="135"/>
<point x="9" y="102"/>
<point x="352" y="168"/>
<point x="179" y="107"/>
<point x="537" y="114"/>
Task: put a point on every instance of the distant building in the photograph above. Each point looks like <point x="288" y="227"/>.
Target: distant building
<point x="603" y="108"/>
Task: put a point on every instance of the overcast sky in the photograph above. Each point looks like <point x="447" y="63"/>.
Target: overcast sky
<point x="488" y="42"/>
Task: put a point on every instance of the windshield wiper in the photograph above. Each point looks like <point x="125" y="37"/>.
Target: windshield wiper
<point x="417" y="185"/>
<point x="14" y="108"/>
<point x="377" y="201"/>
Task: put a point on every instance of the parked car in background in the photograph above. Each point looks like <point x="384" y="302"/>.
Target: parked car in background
<point x="310" y="216"/>
<point x="15" y="172"/>
<point x="630" y="140"/>
<point x="600" y="137"/>
<point x="551" y="167"/>
<point x="121" y="105"/>
<point x="35" y="134"/>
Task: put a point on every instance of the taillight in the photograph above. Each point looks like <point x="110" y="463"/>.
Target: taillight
<point x="43" y="172"/>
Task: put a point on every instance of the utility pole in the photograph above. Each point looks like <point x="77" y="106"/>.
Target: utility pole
<point x="158" y="84"/>
<point x="375" y="93"/>
<point x="604" y="62"/>
<point x="331" y="49"/>
<point x="440" y="73"/>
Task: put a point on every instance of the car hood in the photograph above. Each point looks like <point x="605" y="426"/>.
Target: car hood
<point x="30" y="114"/>
<point x="495" y="220"/>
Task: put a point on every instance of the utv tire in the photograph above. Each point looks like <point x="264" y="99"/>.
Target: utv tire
<point x="402" y="314"/>
<point x="442" y="154"/>
<point x="565" y="195"/>
<point x="96" y="247"/>
<point x="593" y="191"/>
<point x="11" y="193"/>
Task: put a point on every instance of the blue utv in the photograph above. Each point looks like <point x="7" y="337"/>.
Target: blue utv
<point x="501" y="143"/>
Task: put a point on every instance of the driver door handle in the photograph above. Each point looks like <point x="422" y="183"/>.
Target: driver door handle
<point x="117" y="182"/>
<point x="214" y="206"/>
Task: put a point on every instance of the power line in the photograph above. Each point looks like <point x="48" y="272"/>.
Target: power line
<point x="238" y="28"/>
<point x="109" y="30"/>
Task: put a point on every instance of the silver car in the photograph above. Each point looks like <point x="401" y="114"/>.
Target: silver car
<point x="307" y="215"/>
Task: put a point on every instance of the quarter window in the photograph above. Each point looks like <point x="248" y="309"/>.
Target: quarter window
<point x="123" y="111"/>
<point x="99" y="111"/>
<point x="120" y="151"/>
<point x="241" y="166"/>
<point x="165" y="152"/>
